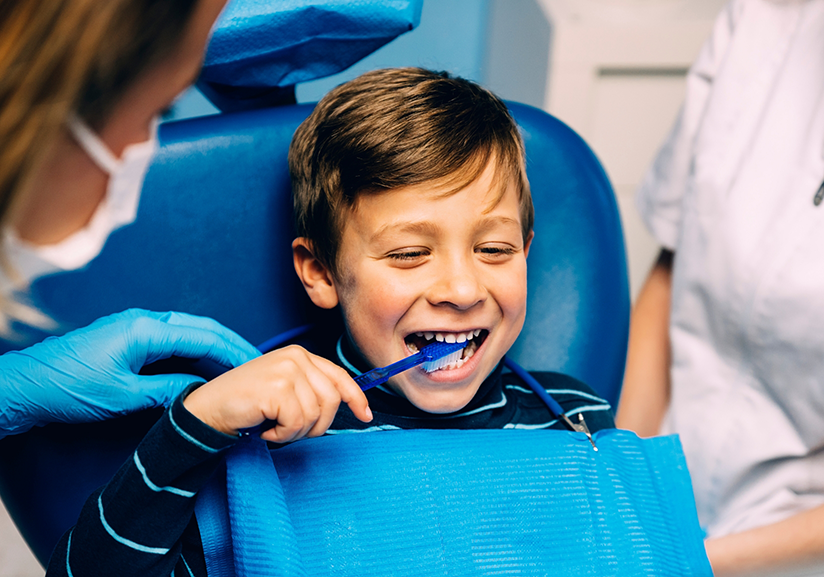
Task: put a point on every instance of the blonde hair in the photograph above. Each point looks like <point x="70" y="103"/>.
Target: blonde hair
<point x="63" y="56"/>
<point x="59" y="57"/>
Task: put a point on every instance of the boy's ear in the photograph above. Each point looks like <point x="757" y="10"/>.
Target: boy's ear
<point x="316" y="278"/>
<point x="528" y="243"/>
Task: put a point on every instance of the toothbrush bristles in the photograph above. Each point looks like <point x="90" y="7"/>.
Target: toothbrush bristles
<point x="443" y="361"/>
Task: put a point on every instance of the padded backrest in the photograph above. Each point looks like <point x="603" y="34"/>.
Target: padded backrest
<point x="213" y="237"/>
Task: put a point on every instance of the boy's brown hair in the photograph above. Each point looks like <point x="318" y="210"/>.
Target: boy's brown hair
<point x="392" y="128"/>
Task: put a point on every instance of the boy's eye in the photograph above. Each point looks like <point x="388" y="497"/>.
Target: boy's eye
<point x="496" y="251"/>
<point x="407" y="255"/>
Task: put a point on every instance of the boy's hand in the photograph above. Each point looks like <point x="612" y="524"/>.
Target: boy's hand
<point x="299" y="390"/>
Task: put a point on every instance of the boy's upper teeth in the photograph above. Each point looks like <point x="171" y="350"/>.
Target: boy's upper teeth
<point x="450" y="337"/>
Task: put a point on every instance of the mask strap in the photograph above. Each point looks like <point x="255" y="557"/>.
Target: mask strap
<point x="93" y="145"/>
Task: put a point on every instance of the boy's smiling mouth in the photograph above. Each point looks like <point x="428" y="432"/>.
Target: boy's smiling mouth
<point x="476" y="337"/>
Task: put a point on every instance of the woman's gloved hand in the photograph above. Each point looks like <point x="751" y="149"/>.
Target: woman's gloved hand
<point x="91" y="374"/>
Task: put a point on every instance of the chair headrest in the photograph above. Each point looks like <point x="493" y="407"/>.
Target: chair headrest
<point x="260" y="46"/>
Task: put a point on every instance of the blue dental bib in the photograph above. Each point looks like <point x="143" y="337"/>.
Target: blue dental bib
<point x="458" y="503"/>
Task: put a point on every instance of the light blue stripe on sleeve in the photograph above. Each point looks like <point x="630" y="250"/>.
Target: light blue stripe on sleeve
<point x="369" y="430"/>
<point x="68" y="552"/>
<point x="189" y="569"/>
<point x="530" y="427"/>
<point x="190" y="438"/>
<point x="153" y="487"/>
<point x="578" y="393"/>
<point x="123" y="540"/>
<point x="587" y="409"/>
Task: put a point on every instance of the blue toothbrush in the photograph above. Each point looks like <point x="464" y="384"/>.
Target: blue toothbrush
<point x="428" y="354"/>
<point x="375" y="377"/>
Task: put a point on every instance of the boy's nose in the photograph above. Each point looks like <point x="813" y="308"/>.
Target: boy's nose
<point x="457" y="285"/>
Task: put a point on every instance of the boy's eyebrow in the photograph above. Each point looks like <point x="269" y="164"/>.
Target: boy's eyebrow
<point x="493" y="221"/>
<point x="428" y="229"/>
<point x="420" y="227"/>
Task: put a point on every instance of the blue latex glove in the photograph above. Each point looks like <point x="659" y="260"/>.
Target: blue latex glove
<point x="91" y="374"/>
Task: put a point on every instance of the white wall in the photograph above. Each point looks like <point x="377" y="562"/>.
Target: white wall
<point x="611" y="69"/>
<point x="15" y="558"/>
<point x="616" y="76"/>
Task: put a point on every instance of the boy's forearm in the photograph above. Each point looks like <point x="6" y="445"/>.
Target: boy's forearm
<point x="793" y="543"/>
<point x="134" y="525"/>
<point x="645" y="394"/>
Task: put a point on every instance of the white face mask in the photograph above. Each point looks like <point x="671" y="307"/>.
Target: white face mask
<point x="118" y="208"/>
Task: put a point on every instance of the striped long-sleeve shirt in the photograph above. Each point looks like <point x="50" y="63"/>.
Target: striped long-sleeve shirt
<point x="142" y="522"/>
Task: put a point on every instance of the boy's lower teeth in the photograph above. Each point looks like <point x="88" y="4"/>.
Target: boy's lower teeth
<point x="468" y="352"/>
<point x="415" y="345"/>
<point x="456" y="365"/>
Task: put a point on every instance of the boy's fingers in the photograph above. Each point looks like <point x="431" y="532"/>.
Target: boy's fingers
<point x="350" y="392"/>
<point x="309" y="404"/>
<point x="289" y="417"/>
<point x="326" y="396"/>
<point x="328" y="401"/>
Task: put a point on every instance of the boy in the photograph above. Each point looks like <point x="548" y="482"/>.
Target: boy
<point x="414" y="215"/>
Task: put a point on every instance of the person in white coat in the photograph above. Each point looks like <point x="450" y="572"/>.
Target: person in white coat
<point x="727" y="335"/>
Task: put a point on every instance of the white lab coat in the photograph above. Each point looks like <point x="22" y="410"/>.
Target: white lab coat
<point x="731" y="192"/>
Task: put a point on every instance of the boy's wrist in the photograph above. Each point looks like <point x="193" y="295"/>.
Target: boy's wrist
<point x="193" y="424"/>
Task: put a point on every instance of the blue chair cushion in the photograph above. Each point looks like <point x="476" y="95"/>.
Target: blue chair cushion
<point x="258" y="46"/>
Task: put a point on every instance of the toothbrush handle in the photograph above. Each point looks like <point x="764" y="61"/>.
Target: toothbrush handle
<point x="372" y="378"/>
<point x="431" y="352"/>
<point x="380" y="375"/>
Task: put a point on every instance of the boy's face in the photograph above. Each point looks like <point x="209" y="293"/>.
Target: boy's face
<point x="414" y="262"/>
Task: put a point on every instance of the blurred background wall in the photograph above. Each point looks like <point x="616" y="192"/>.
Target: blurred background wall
<point x="611" y="69"/>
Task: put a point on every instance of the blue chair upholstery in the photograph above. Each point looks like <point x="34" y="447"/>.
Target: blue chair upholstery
<point x="213" y="238"/>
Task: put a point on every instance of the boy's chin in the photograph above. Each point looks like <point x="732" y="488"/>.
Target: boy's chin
<point x="440" y="408"/>
<point x="437" y="403"/>
<point x="448" y="392"/>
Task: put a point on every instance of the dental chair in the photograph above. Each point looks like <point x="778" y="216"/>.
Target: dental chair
<point x="213" y="238"/>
